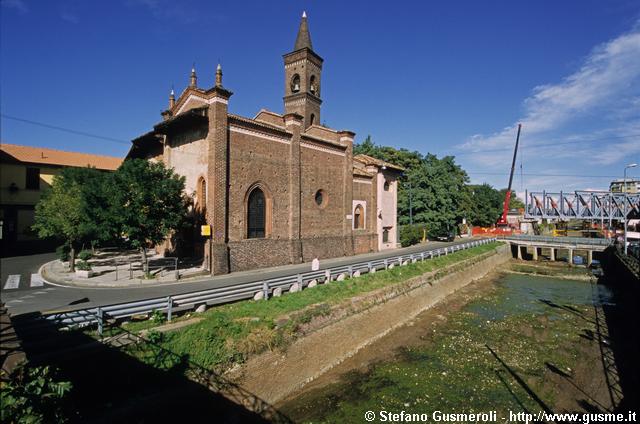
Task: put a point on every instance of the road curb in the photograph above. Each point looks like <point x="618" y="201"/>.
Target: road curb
<point x="71" y="285"/>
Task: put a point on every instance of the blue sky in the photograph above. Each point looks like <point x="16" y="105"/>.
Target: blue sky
<point x="450" y="77"/>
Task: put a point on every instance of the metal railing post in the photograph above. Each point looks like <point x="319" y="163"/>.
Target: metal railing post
<point x="350" y="271"/>
<point x="100" y="321"/>
<point x="169" y="307"/>
<point x="116" y="270"/>
<point x="327" y="276"/>
<point x="130" y="271"/>
<point x="421" y="256"/>
<point x="299" y="280"/>
<point x="386" y="263"/>
<point x="265" y="290"/>
<point x="369" y="266"/>
<point x="176" y="268"/>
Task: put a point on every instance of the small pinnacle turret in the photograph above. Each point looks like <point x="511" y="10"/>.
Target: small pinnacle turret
<point x="172" y="98"/>
<point x="194" y="79"/>
<point x="219" y="76"/>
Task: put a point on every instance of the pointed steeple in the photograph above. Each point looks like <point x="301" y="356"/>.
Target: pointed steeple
<point x="194" y="79"/>
<point x="303" y="40"/>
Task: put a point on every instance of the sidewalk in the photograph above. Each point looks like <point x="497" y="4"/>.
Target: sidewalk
<point x="121" y="270"/>
<point x="57" y="273"/>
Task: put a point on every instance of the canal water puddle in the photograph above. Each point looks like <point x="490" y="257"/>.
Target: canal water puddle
<point x="494" y="353"/>
<point x="524" y="294"/>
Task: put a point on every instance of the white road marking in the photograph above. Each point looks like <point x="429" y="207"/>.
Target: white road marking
<point x="27" y="297"/>
<point x="36" y="280"/>
<point x="49" y="289"/>
<point x="15" y="301"/>
<point x="13" y="281"/>
<point x="40" y="292"/>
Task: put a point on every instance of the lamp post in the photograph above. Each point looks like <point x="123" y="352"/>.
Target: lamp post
<point x="631" y="165"/>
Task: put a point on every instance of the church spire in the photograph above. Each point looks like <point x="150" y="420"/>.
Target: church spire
<point x="303" y="40"/>
<point x="219" y="76"/>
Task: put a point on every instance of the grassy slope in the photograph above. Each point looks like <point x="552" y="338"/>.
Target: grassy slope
<point x="229" y="333"/>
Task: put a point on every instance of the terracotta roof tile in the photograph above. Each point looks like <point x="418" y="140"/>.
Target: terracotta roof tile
<point x="369" y="160"/>
<point x="41" y="155"/>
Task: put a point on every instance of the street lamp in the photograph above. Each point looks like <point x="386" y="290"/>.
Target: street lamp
<point x="631" y="165"/>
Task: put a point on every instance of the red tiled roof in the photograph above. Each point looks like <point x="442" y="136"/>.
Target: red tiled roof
<point x="41" y="155"/>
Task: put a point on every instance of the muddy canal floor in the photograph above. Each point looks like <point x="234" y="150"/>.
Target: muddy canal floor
<point x="508" y="342"/>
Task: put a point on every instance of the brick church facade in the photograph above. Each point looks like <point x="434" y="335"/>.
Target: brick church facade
<point x="277" y="188"/>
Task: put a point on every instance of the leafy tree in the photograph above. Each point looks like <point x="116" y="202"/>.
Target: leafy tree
<point x="484" y="205"/>
<point x="76" y="208"/>
<point x="147" y="203"/>
<point x="433" y="187"/>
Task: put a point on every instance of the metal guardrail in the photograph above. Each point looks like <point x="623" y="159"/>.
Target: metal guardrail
<point x="559" y="240"/>
<point x="186" y="301"/>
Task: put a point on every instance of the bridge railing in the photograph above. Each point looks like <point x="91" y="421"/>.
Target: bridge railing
<point x="558" y="240"/>
<point x="247" y="290"/>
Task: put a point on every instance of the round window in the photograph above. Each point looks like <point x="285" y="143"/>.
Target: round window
<point x="321" y="198"/>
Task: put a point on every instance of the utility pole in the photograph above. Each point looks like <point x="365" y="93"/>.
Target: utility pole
<point x="631" y="165"/>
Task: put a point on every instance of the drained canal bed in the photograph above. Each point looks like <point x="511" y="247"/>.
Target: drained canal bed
<point x="511" y="342"/>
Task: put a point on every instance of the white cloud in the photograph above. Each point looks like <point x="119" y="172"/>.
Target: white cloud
<point x="598" y="105"/>
<point x="18" y="5"/>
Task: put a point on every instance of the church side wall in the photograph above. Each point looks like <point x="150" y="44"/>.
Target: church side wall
<point x="322" y="235"/>
<point x="255" y="159"/>
<point x="188" y="159"/>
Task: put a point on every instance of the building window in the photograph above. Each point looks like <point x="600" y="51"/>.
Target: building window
<point x="295" y="83"/>
<point x="202" y="194"/>
<point x="321" y="198"/>
<point x="385" y="235"/>
<point x="312" y="120"/>
<point x="358" y="218"/>
<point x="33" y="179"/>
<point x="387" y="186"/>
<point x="256" y="212"/>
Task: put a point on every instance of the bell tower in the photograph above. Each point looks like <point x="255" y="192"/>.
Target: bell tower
<point x="302" y="75"/>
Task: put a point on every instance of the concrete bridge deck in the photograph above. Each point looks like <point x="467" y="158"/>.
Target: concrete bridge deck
<point x="570" y="244"/>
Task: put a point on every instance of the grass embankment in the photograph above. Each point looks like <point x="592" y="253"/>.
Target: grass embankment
<point x="509" y="351"/>
<point x="228" y="334"/>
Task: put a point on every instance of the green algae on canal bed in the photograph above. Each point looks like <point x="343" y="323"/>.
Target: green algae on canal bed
<point x="493" y="355"/>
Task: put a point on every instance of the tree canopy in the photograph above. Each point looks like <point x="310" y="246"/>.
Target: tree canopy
<point x="141" y="202"/>
<point x="438" y="190"/>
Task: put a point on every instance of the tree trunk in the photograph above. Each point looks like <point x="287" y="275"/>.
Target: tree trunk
<point x="72" y="259"/>
<point x="145" y="264"/>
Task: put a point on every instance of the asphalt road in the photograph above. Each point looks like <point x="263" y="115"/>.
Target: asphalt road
<point x="26" y="298"/>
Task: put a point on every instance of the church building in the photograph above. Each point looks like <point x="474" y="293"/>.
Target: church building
<point x="276" y="188"/>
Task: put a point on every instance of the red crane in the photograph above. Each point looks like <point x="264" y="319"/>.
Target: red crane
<point x="505" y="207"/>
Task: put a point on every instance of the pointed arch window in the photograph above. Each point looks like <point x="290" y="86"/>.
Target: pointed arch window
<point x="256" y="214"/>
<point x="201" y="194"/>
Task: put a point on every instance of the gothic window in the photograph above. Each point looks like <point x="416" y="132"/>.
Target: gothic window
<point x="312" y="85"/>
<point x="312" y="120"/>
<point x="256" y="213"/>
<point x="358" y="218"/>
<point x="295" y="83"/>
<point x="385" y="235"/>
<point x="201" y="193"/>
<point x="386" y="186"/>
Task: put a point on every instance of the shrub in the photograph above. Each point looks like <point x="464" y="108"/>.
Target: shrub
<point x="411" y="234"/>
<point x="62" y="252"/>
<point x="83" y="266"/>
<point x="85" y="255"/>
<point x="32" y="395"/>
